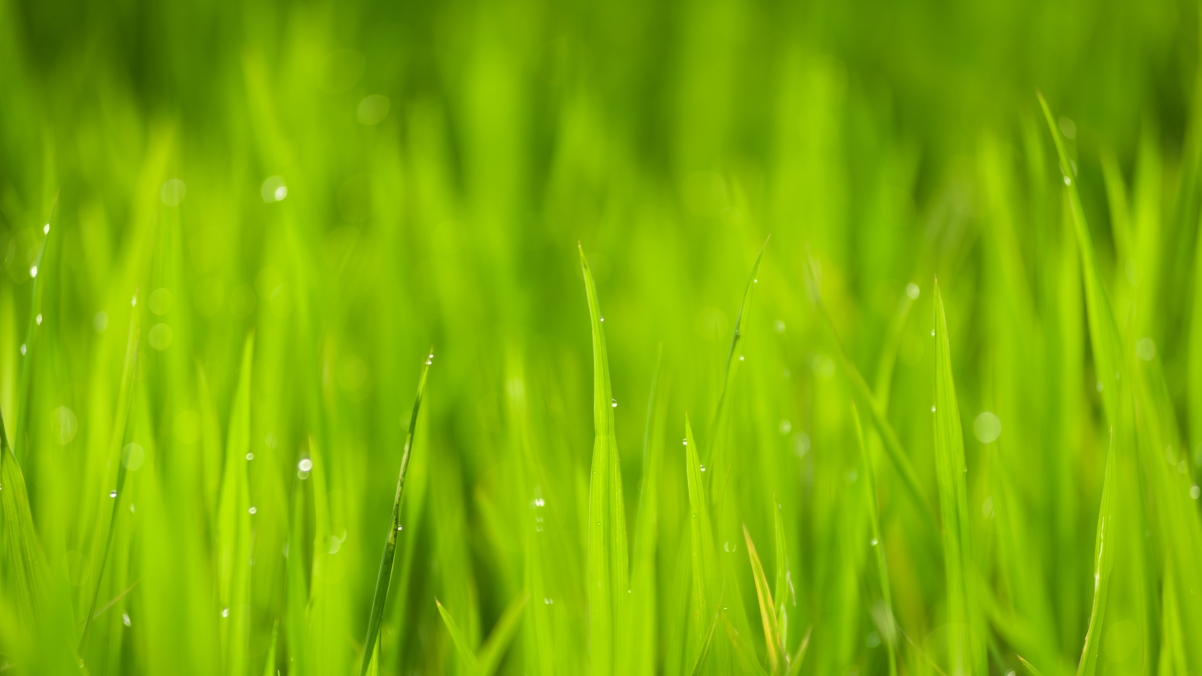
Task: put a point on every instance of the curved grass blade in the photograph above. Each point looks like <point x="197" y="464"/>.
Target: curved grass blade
<point x="607" y="554"/>
<point x="784" y="582"/>
<point x="964" y="645"/>
<point x="1103" y="564"/>
<point x="385" y="575"/>
<point x="1030" y="667"/>
<point x="122" y="429"/>
<point x="888" y="632"/>
<point x="701" y="532"/>
<point x="35" y="320"/>
<point x="743" y="649"/>
<point x="457" y="637"/>
<point x="895" y="451"/>
<point x="1103" y="331"/>
<point x="704" y="653"/>
<point x="767" y="607"/>
<point x="741" y="321"/>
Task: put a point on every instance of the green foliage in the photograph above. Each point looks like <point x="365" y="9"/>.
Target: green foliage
<point x="299" y="198"/>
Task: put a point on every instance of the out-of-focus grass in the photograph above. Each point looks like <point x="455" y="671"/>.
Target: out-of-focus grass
<point x="303" y="197"/>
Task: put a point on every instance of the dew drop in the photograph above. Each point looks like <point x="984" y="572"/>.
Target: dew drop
<point x="22" y="348"/>
<point x="702" y="468"/>
<point x="603" y="319"/>
<point x="873" y="542"/>
<point x="225" y="612"/>
<point x="400" y="528"/>
<point x="124" y="616"/>
<point x="250" y="456"/>
<point x="253" y="510"/>
<point x="613" y="403"/>
<point x="38" y="319"/>
<point x="912" y="290"/>
<point x="33" y="271"/>
<point x="46" y="228"/>
<point x="684" y="442"/>
<point x="726" y="546"/>
<point x="112" y="494"/>
<point x="740" y="357"/>
<point x="1068" y="181"/>
<point x="305" y="465"/>
<point x="932" y="333"/>
<point x="1194" y="491"/>
<point x="932" y="409"/>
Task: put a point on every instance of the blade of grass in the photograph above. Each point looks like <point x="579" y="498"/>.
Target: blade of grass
<point x="465" y="649"/>
<point x="384" y="578"/>
<point x="233" y="525"/>
<point x="741" y="322"/>
<point x="743" y="649"/>
<point x="895" y="451"/>
<point x="878" y="547"/>
<point x="607" y="555"/>
<point x="767" y="607"/>
<point x="701" y="534"/>
<point x="27" y="348"/>
<point x="784" y="581"/>
<point x="121" y="432"/>
<point x="799" y="655"/>
<point x="965" y="647"/>
<point x="1103" y="564"/>
<point x="489" y="657"/>
<point x="704" y="653"/>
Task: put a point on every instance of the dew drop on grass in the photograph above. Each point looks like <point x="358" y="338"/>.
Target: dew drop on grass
<point x="740" y="357"/>
<point x="932" y="333"/>
<point x="873" y="543"/>
<point x="22" y="349"/>
<point x="38" y="319"/>
<point x="225" y="612"/>
<point x="46" y="228"/>
<point x="33" y="271"/>
<point x="1194" y="491"/>
<point x="702" y="468"/>
<point x="932" y="409"/>
<point x="912" y="291"/>
<point x="250" y="456"/>
<point x="603" y="319"/>
<point x="684" y="442"/>
<point x="253" y="510"/>
<point x="400" y="528"/>
<point x="125" y="619"/>
<point x="1068" y="181"/>
<point x="549" y="601"/>
<point x="780" y="326"/>
<point x="727" y="548"/>
<point x="613" y="403"/>
<point x="112" y="494"/>
<point x="305" y="465"/>
<point x="987" y="427"/>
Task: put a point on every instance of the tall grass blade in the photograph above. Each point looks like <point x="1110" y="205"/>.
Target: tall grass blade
<point x="767" y="607"/>
<point x="122" y="429"/>
<point x="703" y="555"/>
<point x="607" y="557"/>
<point x="233" y="526"/>
<point x="966" y="650"/>
<point x="489" y="657"/>
<point x="888" y="631"/>
<point x="384" y="578"/>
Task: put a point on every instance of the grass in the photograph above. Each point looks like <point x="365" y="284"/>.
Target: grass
<point x="700" y="405"/>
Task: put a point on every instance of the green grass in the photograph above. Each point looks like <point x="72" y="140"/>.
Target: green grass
<point x="700" y="406"/>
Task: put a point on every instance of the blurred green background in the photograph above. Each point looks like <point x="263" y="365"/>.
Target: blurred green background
<point x="348" y="183"/>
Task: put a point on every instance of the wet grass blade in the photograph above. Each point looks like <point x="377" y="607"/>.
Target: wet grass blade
<point x="767" y="607"/>
<point x="384" y="577"/>
<point x="233" y="525"/>
<point x="799" y="656"/>
<point x="878" y="547"/>
<point x="701" y="537"/>
<point x="122" y="429"/>
<point x="27" y="348"/>
<point x="964" y="645"/>
<point x="607" y="553"/>
<point x="784" y="581"/>
<point x="741" y="322"/>
<point x="704" y="653"/>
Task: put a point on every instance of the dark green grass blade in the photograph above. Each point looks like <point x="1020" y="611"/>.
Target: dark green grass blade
<point x="607" y="553"/>
<point x="966" y="650"/>
<point x="893" y="448"/>
<point x="121" y="432"/>
<point x="384" y="578"/>
<point x="878" y="547"/>
<point x="457" y="637"/>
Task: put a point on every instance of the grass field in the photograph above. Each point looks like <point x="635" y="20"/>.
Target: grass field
<point x="474" y="338"/>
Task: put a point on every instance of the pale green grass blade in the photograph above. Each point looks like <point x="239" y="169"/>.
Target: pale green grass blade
<point x="461" y="645"/>
<point x="706" y="644"/>
<point x="607" y="554"/>
<point x="642" y="610"/>
<point x="784" y="581"/>
<point x="31" y="338"/>
<point x="742" y="319"/>
<point x="965" y="646"/>
<point x="234" y="526"/>
<point x="493" y="650"/>
<point x="1030" y="667"/>
<point x="1103" y="565"/>
<point x="703" y="555"/>
<point x="767" y="607"/>
<point x="888" y="631"/>
<point x="269" y="665"/>
<point x="384" y="578"/>
<point x="799" y="656"/>
<point x="122" y="430"/>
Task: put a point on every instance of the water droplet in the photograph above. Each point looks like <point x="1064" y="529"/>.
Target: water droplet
<point x="38" y="319"/>
<point x="33" y="271"/>
<point x="726" y="547"/>
<point x="250" y="456"/>
<point x="305" y="465"/>
<point x="912" y="291"/>
<point x="932" y="333"/>
<point x="549" y="601"/>
<point x="252" y="510"/>
<point x="1194" y="492"/>
<point x="538" y="502"/>
<point x="685" y="442"/>
<point x="613" y="403"/>
<point x="785" y="426"/>
<point x="932" y="409"/>
<point x="987" y="427"/>
<point x="273" y="189"/>
<point x="702" y="468"/>
<point x="603" y="319"/>
<point x="873" y="542"/>
<point x="112" y="494"/>
<point x="400" y="528"/>
<point x="124" y="616"/>
<point x="22" y="348"/>
<point x="134" y="302"/>
<point x="225" y="612"/>
<point x="46" y="228"/>
<point x="755" y="281"/>
<point x="740" y="357"/>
